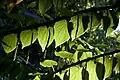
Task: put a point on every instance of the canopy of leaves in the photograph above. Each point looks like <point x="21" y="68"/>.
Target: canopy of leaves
<point x="59" y="39"/>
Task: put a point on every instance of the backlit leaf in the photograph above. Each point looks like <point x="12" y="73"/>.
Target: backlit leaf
<point x="37" y="78"/>
<point x="108" y="66"/>
<point x="110" y="32"/>
<point x="110" y="29"/>
<point x="48" y="63"/>
<point x="43" y="35"/>
<point x="51" y="35"/>
<point x="75" y="73"/>
<point x="117" y="67"/>
<point x="26" y="37"/>
<point x="61" y="76"/>
<point x="11" y="42"/>
<point x="61" y="34"/>
<point x="80" y="27"/>
<point x="91" y="68"/>
<point x="64" y="54"/>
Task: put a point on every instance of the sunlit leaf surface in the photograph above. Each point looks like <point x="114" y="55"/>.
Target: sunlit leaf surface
<point x="61" y="34"/>
<point x="10" y="42"/>
<point x="43" y="35"/>
<point x="48" y="63"/>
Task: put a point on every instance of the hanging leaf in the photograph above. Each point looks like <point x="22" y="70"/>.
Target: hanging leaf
<point x="100" y="70"/>
<point x="95" y="19"/>
<point x="108" y="66"/>
<point x="117" y="67"/>
<point x="26" y="37"/>
<point x="110" y="32"/>
<point x="51" y="35"/>
<point x="61" y="75"/>
<point x="11" y="42"/>
<point x="80" y="27"/>
<point x="75" y="73"/>
<point x="48" y="63"/>
<point x="110" y="29"/>
<point x="44" y="5"/>
<point x="43" y="35"/>
<point x="85" y="74"/>
<point x="64" y="54"/>
<point x="61" y="34"/>
<point x="91" y="68"/>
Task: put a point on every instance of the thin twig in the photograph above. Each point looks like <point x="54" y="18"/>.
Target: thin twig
<point x="36" y="25"/>
<point x="86" y="60"/>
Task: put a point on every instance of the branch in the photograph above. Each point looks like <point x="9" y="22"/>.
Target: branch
<point x="86" y="60"/>
<point x="36" y="25"/>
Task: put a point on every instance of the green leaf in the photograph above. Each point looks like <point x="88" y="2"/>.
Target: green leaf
<point x="86" y="55"/>
<point x="75" y="73"/>
<point x="117" y="67"/>
<point x="118" y="39"/>
<point x="61" y="34"/>
<point x="85" y="74"/>
<point x="95" y="20"/>
<point x="100" y="70"/>
<point x="37" y="78"/>
<point x="110" y="29"/>
<point x="44" y="5"/>
<point x="11" y="42"/>
<point x="61" y="76"/>
<point x="80" y="27"/>
<point x="91" y="68"/>
<point x="64" y="54"/>
<point x="51" y="35"/>
<point x="43" y="35"/>
<point x="77" y="53"/>
<point x="26" y="37"/>
<point x="48" y="63"/>
<point x="98" y="51"/>
<point x="108" y="66"/>
<point x="110" y="32"/>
